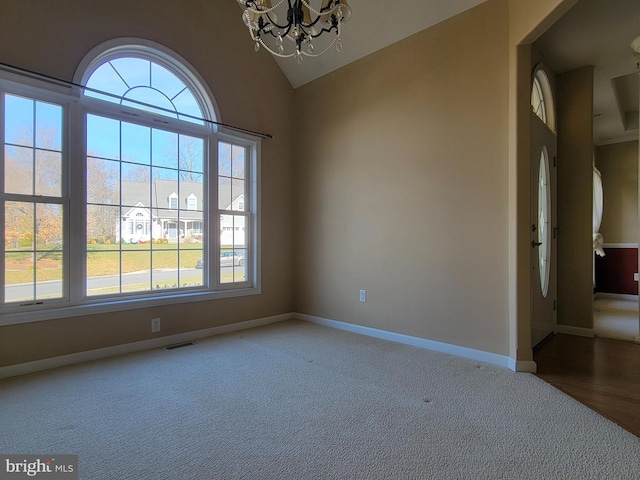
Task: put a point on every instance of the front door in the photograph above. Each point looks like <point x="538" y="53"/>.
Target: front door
<point x="544" y="231"/>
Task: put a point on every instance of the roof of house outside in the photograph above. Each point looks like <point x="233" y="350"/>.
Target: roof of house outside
<point x="138" y="193"/>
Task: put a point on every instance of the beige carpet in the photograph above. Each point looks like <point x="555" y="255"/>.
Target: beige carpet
<point x="300" y="401"/>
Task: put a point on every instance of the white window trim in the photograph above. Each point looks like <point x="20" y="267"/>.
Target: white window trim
<point x="75" y="304"/>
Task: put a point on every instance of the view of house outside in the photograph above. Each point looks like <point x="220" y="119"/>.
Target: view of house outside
<point x="145" y="227"/>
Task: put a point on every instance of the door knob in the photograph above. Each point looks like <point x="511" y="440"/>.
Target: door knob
<point x="535" y="244"/>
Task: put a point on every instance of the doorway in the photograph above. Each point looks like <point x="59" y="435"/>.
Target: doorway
<point x="543" y="213"/>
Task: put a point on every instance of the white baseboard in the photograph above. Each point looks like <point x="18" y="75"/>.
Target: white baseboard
<point x="458" y="351"/>
<point x="619" y="245"/>
<point x="80" y="357"/>
<point x="528" y="366"/>
<point x="577" y="331"/>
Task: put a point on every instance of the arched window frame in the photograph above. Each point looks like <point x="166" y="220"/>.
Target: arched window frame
<point x="541" y="88"/>
<point x="75" y="108"/>
<point x="148" y="50"/>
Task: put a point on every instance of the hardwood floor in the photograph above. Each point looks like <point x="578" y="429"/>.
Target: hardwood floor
<point x="601" y="373"/>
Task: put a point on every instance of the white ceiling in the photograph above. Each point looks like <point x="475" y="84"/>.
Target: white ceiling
<point x="373" y="25"/>
<point x="599" y="33"/>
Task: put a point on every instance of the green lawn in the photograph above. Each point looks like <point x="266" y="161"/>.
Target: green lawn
<point x="102" y="260"/>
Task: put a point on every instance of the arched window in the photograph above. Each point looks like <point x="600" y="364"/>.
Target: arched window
<point x="157" y="177"/>
<point x="542" y="103"/>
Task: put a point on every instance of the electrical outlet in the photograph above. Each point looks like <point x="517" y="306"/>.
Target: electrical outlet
<point x="363" y="296"/>
<point x="155" y="325"/>
<point x="635" y="277"/>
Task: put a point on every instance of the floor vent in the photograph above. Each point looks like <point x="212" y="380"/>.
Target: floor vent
<point x="179" y="345"/>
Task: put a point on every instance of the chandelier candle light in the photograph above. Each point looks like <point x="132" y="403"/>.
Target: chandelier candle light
<point x="302" y="26"/>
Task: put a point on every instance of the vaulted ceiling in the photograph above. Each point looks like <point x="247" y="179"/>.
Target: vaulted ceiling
<point x="374" y="25"/>
<point x="593" y="32"/>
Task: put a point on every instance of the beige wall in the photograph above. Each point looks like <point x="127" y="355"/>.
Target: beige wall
<point x="618" y="165"/>
<point x="575" y="197"/>
<point x="402" y="186"/>
<point x="251" y="92"/>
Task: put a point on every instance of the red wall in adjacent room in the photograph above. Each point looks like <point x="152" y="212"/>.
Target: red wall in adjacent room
<point x="614" y="271"/>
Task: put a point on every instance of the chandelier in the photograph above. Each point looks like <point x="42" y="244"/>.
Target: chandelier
<point x="300" y="27"/>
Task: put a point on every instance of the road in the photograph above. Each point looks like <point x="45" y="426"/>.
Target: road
<point x="53" y="288"/>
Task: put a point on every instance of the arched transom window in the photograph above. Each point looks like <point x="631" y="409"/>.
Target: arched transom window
<point x="144" y="84"/>
<point x="542" y="98"/>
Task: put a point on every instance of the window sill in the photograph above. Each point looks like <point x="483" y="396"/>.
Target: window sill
<point x="98" y="307"/>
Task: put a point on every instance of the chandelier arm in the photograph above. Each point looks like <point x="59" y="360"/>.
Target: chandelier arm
<point x="266" y="12"/>
<point x="324" y="30"/>
<point x="274" y="24"/>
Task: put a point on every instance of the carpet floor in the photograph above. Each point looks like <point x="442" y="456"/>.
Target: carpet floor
<point x="300" y="401"/>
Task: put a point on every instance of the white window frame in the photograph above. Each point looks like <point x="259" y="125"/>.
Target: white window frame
<point x="76" y="107"/>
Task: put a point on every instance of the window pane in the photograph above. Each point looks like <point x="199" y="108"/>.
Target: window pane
<point x="239" y="270"/>
<point x="18" y="118"/>
<point x="102" y="227"/>
<point x="49" y="228"/>
<point x="136" y="143"/>
<point x="136" y="187"/>
<point x="232" y="265"/>
<point x="190" y="275"/>
<point x="191" y="155"/>
<point x="237" y="193"/>
<point x="239" y="231"/>
<point x="224" y="159"/>
<point x="103" y="137"/>
<point x="165" y="81"/>
<point x="33" y="251"/>
<point x="18" y="170"/>
<point x="19" y="276"/>
<point x="48" y="126"/>
<point x="144" y="97"/>
<point x="238" y="162"/>
<point x="165" y="267"/>
<point x="48" y="173"/>
<point x="185" y="102"/>
<point x="103" y="271"/>
<point x="191" y="196"/>
<point x="224" y="193"/>
<point x="19" y="226"/>
<point x="136" y="271"/>
<point x="164" y="149"/>
<point x="134" y="71"/>
<point x="49" y="275"/>
<point x="106" y="79"/>
<point x="165" y="229"/>
<point x="226" y="231"/>
<point x="103" y="181"/>
<point x="136" y="228"/>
